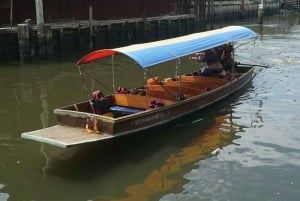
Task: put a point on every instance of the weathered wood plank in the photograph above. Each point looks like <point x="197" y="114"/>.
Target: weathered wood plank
<point x="64" y="136"/>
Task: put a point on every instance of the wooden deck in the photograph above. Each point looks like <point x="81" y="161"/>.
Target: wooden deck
<point x="64" y="136"/>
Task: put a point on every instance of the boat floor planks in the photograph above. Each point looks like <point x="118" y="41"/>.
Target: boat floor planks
<point x="64" y="136"/>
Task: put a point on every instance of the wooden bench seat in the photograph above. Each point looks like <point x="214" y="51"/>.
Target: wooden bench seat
<point x="137" y="101"/>
<point x="171" y="92"/>
<point x="207" y="82"/>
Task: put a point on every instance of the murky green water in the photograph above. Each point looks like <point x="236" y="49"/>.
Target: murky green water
<point x="257" y="132"/>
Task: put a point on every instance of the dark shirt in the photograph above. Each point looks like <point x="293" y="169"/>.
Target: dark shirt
<point x="210" y="57"/>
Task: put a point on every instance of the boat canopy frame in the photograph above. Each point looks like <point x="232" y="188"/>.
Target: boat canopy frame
<point x="152" y="53"/>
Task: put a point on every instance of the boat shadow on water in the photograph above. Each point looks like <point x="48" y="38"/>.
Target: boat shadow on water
<point x="196" y="136"/>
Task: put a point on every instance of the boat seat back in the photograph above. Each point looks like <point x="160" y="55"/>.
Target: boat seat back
<point x="208" y="82"/>
<point x="171" y="92"/>
<point x="129" y="100"/>
<point x="191" y="85"/>
<point x="136" y="101"/>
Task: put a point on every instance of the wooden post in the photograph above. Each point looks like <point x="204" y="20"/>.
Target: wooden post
<point x="158" y="30"/>
<point x="169" y="29"/>
<point x="209" y="13"/>
<point x="109" y="37"/>
<point x="242" y="9"/>
<point x="91" y="26"/>
<point x="40" y="28"/>
<point x="61" y="42"/>
<point x="24" y="42"/>
<point x="197" y="13"/>
<point x="39" y="12"/>
<point x="0" y="48"/>
<point x="179" y="29"/>
<point x="48" y="40"/>
<point x="136" y="31"/>
<point x="260" y="13"/>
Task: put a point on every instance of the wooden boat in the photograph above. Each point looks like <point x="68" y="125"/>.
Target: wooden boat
<point x="156" y="103"/>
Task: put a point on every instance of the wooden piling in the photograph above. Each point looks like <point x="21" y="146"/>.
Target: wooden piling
<point x="0" y="46"/>
<point x="49" y="41"/>
<point x="24" y="42"/>
<point x="260" y="12"/>
<point x="41" y="41"/>
<point x="91" y="46"/>
<point x="163" y="29"/>
<point x="242" y="9"/>
<point x="109" y="36"/>
<point x="42" y="30"/>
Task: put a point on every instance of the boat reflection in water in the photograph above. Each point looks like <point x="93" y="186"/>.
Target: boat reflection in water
<point x="169" y="175"/>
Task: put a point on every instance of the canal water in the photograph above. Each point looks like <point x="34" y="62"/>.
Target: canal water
<point x="246" y="147"/>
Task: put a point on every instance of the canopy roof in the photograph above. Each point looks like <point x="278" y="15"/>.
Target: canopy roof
<point x="149" y="54"/>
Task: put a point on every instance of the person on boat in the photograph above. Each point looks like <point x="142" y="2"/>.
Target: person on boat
<point x="97" y="95"/>
<point x="99" y="102"/>
<point x="225" y="55"/>
<point x="212" y="63"/>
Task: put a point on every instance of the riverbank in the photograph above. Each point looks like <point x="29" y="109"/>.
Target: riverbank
<point x="57" y="39"/>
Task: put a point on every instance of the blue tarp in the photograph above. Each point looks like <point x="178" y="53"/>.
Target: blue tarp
<point x="125" y="110"/>
<point x="149" y="54"/>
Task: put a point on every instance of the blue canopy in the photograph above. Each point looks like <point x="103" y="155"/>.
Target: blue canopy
<point x="149" y="54"/>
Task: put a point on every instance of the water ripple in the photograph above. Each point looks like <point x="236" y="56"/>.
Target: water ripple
<point x="218" y="181"/>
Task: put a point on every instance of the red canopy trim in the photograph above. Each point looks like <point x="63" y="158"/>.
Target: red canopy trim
<point x="98" y="54"/>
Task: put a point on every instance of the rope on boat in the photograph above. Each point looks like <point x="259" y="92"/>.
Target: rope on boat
<point x="86" y="90"/>
<point x="92" y="77"/>
<point x="89" y="118"/>
<point x="246" y="43"/>
<point x="83" y="81"/>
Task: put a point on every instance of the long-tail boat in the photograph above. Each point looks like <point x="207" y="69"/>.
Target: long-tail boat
<point x="158" y="102"/>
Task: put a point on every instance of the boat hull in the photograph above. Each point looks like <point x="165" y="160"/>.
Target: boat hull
<point x="158" y="102"/>
<point x="150" y="118"/>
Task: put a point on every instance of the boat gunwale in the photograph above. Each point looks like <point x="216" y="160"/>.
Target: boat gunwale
<point x="244" y="79"/>
<point x="60" y="111"/>
<point x="193" y="99"/>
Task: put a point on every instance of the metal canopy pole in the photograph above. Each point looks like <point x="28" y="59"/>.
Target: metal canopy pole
<point x="11" y="12"/>
<point x="113" y="73"/>
<point x="178" y="72"/>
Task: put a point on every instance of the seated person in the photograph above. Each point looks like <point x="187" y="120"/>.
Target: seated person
<point x="225" y="55"/>
<point x="99" y="102"/>
<point x="212" y="62"/>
